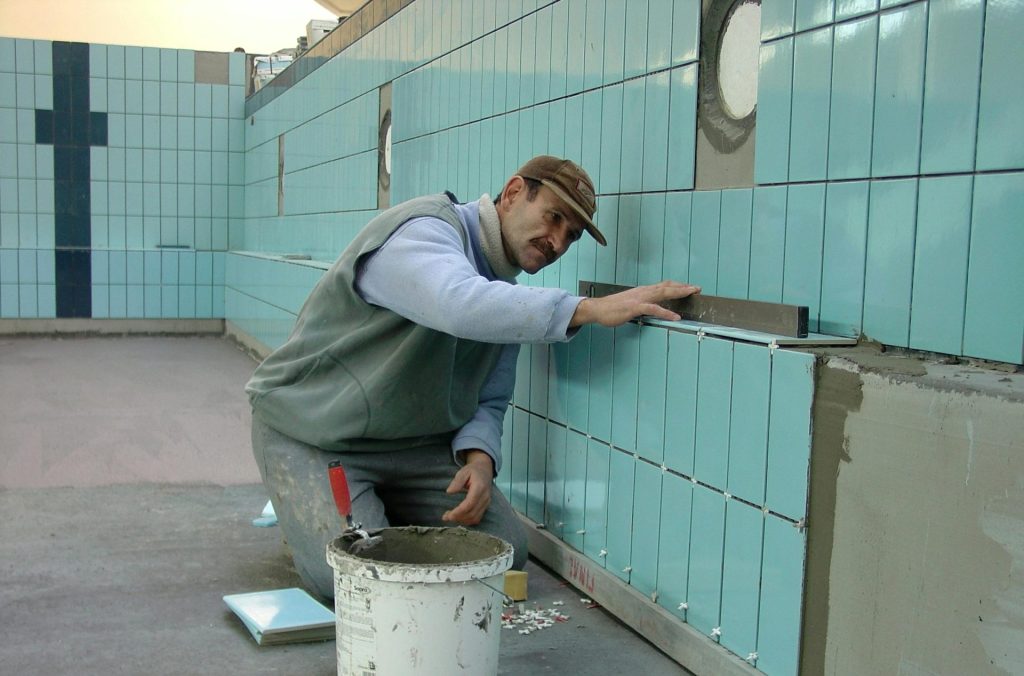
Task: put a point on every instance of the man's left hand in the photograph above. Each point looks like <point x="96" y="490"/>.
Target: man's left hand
<point x="475" y="480"/>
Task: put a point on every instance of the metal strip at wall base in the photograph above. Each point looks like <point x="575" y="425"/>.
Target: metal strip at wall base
<point x="668" y="633"/>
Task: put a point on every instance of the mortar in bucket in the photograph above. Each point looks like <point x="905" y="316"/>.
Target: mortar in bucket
<point x="420" y="601"/>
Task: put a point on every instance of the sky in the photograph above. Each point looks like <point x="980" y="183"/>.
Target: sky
<point x="258" y="26"/>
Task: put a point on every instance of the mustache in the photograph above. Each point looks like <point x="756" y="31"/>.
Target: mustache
<point x="545" y="248"/>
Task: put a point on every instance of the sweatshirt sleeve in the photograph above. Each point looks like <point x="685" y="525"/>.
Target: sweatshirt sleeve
<point x="423" y="274"/>
<point x="483" y="431"/>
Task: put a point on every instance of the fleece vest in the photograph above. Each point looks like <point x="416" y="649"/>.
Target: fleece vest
<point x="357" y="377"/>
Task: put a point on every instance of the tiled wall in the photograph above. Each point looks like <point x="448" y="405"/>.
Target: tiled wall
<point x="120" y="179"/>
<point x="888" y="199"/>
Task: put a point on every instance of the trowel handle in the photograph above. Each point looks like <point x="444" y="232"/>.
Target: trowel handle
<point x="339" y="487"/>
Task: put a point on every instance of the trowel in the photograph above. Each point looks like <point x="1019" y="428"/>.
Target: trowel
<point x="359" y="539"/>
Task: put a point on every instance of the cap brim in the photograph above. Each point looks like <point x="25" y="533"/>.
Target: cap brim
<point x="588" y="223"/>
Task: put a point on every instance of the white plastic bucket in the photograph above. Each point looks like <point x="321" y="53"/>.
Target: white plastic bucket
<point x="422" y="601"/>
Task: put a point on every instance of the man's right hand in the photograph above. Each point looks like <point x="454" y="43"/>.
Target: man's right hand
<point x="619" y="308"/>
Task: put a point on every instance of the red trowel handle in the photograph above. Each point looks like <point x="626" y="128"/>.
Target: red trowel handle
<point x="339" y="487"/>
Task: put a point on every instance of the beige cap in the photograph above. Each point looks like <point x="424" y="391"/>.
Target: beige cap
<point x="570" y="183"/>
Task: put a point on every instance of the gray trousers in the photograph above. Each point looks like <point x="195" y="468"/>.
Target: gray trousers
<point x="395" y="488"/>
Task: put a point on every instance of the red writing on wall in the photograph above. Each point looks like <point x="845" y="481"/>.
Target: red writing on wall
<point x="581" y="574"/>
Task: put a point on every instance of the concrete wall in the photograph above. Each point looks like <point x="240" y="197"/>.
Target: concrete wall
<point x="916" y="531"/>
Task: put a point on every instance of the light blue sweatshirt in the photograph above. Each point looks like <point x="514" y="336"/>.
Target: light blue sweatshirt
<point x="422" y="271"/>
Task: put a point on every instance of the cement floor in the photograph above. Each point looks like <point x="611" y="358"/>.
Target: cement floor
<point x="127" y="492"/>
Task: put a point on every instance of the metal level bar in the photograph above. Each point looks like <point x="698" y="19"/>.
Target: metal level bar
<point x="775" y="318"/>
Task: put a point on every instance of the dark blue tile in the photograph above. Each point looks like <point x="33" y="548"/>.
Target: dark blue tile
<point x="78" y="88"/>
<point x="97" y="129"/>
<point x="62" y="92"/>
<point x="44" y="126"/>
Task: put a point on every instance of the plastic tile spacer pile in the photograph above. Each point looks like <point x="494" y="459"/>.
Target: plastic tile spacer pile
<point x="528" y="621"/>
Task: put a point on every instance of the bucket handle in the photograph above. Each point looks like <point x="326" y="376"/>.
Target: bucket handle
<point x="508" y="599"/>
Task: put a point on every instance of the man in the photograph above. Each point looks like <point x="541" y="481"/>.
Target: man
<point x="402" y="361"/>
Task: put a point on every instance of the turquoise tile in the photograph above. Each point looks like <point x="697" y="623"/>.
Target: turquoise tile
<point x="705" y="223"/>
<point x="685" y="30"/>
<point x="842" y="275"/>
<point x="852" y="103"/>
<point x="632" y="153"/>
<point x="774" y="106"/>
<point x="846" y="9"/>
<point x="519" y="460"/>
<point x="574" y="128"/>
<point x="777" y="18"/>
<point x="734" y="251"/>
<point x="574" y="505"/>
<point x="627" y="241"/>
<point x="118" y="301"/>
<point x="536" y="471"/>
<point x="610" y="140"/>
<point x="554" y="480"/>
<point x="606" y="220"/>
<point x="741" y="577"/>
<point x="714" y="391"/>
<point x="635" y="61"/>
<point x="152" y="299"/>
<point x="650" y="262"/>
<point x="593" y="57"/>
<point x="601" y="354"/>
<point x="899" y="92"/>
<point x="614" y="41"/>
<point x="993" y="328"/>
<point x="951" y="83"/>
<point x="595" y="516"/>
<point x="528" y="74"/>
<point x="558" y="381"/>
<point x="625" y="365"/>
<point x="676" y="255"/>
<point x="524" y="369"/>
<point x="646" y="520"/>
<point x="748" y="425"/>
<point x="659" y="34"/>
<point x="621" y="473"/>
<point x="789" y="433"/>
<point x="655" y="136"/>
<point x="813" y="13"/>
<point x="890" y="258"/>
<point x="541" y="55"/>
<point x="707" y="538"/>
<point x="674" y="543"/>
<point x="590" y="158"/>
<point x="1000" y="143"/>
<point x="940" y="263"/>
<point x="578" y="387"/>
<point x="682" y="128"/>
<point x="653" y="370"/>
<point x="782" y="574"/>
<point x="7" y="52"/>
<point x="812" y="70"/>
<point x="768" y="239"/>
<point x="576" y="46"/>
<point x="681" y="401"/>
<point x="805" y="221"/>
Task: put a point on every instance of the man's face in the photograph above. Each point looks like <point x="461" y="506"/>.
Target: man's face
<point x="535" y="234"/>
